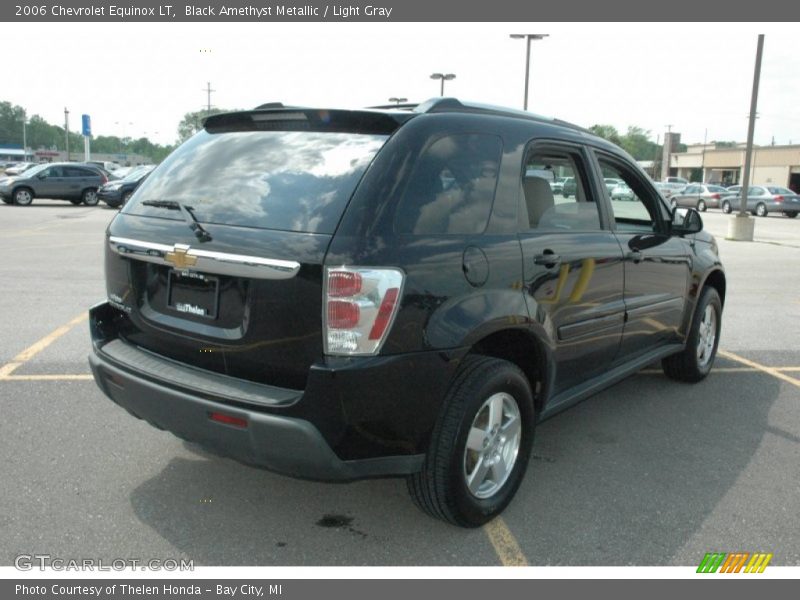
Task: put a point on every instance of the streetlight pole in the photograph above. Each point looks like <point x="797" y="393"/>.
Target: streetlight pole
<point x="528" y="37"/>
<point x="443" y="77"/>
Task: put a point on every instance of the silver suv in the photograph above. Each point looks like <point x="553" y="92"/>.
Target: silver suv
<point x="77" y="183"/>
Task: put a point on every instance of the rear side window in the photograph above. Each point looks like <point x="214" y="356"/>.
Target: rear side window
<point x="289" y="180"/>
<point x="452" y="186"/>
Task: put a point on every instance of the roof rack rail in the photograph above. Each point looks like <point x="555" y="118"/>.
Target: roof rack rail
<point x="436" y="105"/>
<point x="270" y="105"/>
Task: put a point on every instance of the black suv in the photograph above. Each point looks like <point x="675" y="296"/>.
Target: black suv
<point x="338" y="295"/>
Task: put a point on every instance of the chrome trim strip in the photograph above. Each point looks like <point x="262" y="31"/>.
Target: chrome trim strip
<point x="207" y="261"/>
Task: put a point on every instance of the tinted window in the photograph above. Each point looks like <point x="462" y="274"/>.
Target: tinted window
<point x="78" y="172"/>
<point x="571" y="209"/>
<point x="636" y="209"/>
<point x="451" y="188"/>
<point x="289" y="180"/>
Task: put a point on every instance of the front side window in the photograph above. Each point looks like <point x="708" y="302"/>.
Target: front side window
<point x="636" y="209"/>
<point x="451" y="189"/>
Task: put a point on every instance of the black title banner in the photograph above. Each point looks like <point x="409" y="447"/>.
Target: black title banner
<point x="397" y="11"/>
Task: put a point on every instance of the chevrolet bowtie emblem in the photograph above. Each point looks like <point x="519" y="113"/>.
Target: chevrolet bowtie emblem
<point x="180" y="257"/>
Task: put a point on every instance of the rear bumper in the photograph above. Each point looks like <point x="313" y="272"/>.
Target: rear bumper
<point x="327" y="432"/>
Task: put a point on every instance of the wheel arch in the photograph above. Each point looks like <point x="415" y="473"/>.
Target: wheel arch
<point x="527" y="351"/>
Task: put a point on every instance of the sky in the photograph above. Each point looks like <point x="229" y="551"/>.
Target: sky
<point x="139" y="79"/>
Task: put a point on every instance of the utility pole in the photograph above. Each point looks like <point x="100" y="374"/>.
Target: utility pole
<point x="703" y="159"/>
<point x="66" y="130"/>
<point x="666" y="152"/>
<point x="741" y="227"/>
<point x="208" y="91"/>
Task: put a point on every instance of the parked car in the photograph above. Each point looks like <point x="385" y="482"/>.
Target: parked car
<point x="117" y="193"/>
<point x="611" y="183"/>
<point x="621" y="191"/>
<point x="106" y="165"/>
<point x="75" y="182"/>
<point x="701" y="196"/>
<point x="296" y="289"/>
<point x="569" y="188"/>
<point x="764" y="199"/>
<point x="557" y="185"/>
<point x="18" y="168"/>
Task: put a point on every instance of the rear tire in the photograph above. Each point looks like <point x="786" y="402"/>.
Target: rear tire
<point x="695" y="361"/>
<point x="790" y="214"/>
<point x="701" y="206"/>
<point x="89" y="197"/>
<point x="726" y="207"/>
<point x="761" y="210"/>
<point x="480" y="445"/>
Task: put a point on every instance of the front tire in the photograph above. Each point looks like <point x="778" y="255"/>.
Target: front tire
<point x="695" y="361"/>
<point x="23" y="197"/>
<point x="480" y="445"/>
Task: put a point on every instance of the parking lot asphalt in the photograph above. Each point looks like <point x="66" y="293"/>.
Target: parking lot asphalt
<point x="649" y="472"/>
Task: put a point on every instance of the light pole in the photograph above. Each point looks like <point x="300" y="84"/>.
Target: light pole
<point x="529" y="37"/>
<point x="398" y="100"/>
<point x="444" y="77"/>
<point x="121" y="142"/>
<point x="66" y="130"/>
<point x="24" y="137"/>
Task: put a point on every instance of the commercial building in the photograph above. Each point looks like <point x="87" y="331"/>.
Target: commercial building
<point x="775" y="165"/>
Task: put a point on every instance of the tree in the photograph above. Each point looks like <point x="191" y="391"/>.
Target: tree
<point x="192" y="122"/>
<point x="607" y="132"/>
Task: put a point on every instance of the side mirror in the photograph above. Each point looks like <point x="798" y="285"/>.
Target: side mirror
<point x="686" y="221"/>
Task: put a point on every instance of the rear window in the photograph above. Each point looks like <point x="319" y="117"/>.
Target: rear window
<point x="289" y="180"/>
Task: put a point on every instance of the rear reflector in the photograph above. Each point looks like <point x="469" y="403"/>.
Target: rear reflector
<point x="228" y="419"/>
<point x="385" y="313"/>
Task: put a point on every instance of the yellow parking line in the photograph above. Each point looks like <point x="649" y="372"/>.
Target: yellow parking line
<point x="505" y="544"/>
<point x="752" y="364"/>
<point x="34" y="349"/>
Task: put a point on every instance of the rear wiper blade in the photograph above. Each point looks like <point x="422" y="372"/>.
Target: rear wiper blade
<point x="200" y="233"/>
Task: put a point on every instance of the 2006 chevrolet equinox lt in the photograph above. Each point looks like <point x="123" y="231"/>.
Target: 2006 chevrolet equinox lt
<point x="343" y="294"/>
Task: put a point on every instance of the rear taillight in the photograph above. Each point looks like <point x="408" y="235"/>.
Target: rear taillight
<point x="103" y="179"/>
<point x="778" y="198"/>
<point x="360" y="305"/>
<point x="715" y="196"/>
